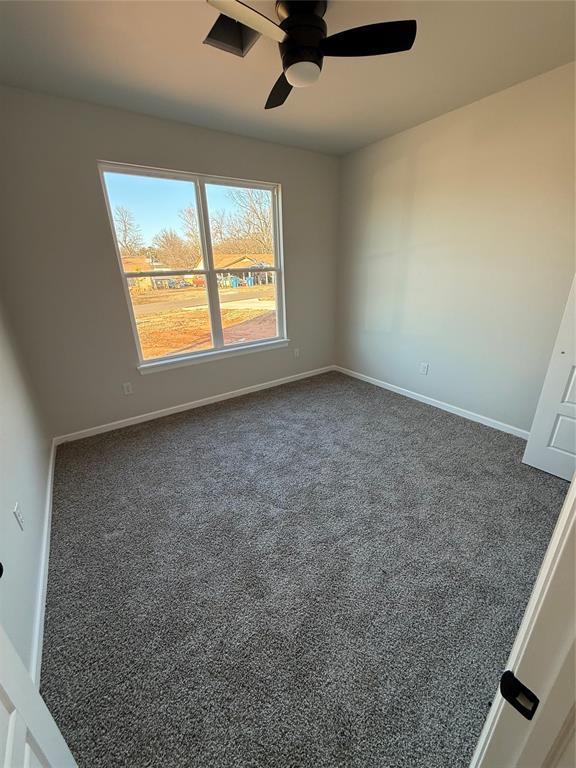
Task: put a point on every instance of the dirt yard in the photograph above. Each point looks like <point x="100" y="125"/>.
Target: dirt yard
<point x="172" y="321"/>
<point x="177" y="331"/>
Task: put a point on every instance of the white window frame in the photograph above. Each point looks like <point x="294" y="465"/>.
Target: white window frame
<point x="208" y="270"/>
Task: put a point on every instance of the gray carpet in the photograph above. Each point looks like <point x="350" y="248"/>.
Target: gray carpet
<point x="323" y="574"/>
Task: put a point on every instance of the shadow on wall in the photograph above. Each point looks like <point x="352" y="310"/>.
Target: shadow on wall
<point x="12" y="359"/>
<point x="458" y="240"/>
<point x="24" y="469"/>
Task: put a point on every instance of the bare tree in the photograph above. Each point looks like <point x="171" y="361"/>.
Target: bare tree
<point x="173" y="250"/>
<point x="218" y="227"/>
<point x="189" y="218"/>
<point x="248" y="228"/>
<point x="245" y="230"/>
<point x="128" y="232"/>
<point x="252" y="224"/>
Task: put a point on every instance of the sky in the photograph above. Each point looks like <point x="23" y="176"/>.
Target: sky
<point x="156" y="202"/>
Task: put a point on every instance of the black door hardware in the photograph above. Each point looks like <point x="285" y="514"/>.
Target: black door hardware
<point x="516" y="694"/>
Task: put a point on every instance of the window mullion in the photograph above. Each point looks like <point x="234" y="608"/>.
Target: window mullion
<point x="279" y="261"/>
<point x="160" y="273"/>
<point x="233" y="270"/>
<point x="211" y="279"/>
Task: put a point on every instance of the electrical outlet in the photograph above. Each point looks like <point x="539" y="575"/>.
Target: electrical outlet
<point x="296" y="351"/>
<point x="127" y="388"/>
<point x="424" y="368"/>
<point x="18" y="516"/>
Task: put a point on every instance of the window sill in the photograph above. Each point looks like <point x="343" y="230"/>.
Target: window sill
<point x="214" y="354"/>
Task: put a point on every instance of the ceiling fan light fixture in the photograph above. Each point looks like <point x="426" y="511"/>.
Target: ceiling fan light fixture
<point x="303" y="40"/>
<point x="302" y="73"/>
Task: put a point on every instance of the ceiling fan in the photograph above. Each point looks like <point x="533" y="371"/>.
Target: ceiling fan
<point x="301" y="35"/>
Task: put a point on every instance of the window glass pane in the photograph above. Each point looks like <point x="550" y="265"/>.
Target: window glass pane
<point x="156" y="222"/>
<point x="240" y="226"/>
<point x="172" y="315"/>
<point x="248" y="306"/>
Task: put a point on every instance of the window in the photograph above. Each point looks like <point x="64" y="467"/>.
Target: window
<point x="200" y="259"/>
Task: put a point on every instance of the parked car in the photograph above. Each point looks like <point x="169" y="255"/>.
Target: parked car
<point x="178" y="283"/>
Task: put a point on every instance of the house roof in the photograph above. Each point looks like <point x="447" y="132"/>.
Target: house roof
<point x="141" y="263"/>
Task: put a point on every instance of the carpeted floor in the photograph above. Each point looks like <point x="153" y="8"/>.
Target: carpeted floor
<point x="322" y="574"/>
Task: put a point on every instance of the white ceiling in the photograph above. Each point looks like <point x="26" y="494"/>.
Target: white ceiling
<point x="148" y="57"/>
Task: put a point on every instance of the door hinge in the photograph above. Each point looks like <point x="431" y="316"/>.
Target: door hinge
<point x="518" y="695"/>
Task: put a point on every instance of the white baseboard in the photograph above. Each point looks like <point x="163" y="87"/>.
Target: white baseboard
<point x="187" y="406"/>
<point x="40" y="608"/>
<point x="500" y="425"/>
<point x="36" y="658"/>
<point x="151" y="415"/>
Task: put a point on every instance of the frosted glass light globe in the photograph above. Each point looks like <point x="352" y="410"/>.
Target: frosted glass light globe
<point x="302" y="73"/>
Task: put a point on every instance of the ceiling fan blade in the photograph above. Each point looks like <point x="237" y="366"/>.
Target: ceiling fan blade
<point x="372" y="40"/>
<point x="279" y="92"/>
<point x="238" y="11"/>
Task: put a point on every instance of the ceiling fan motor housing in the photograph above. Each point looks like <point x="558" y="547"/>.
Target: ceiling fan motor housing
<point x="305" y="29"/>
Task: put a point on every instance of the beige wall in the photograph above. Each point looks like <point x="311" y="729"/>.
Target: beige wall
<point x="458" y="250"/>
<point x="457" y="246"/>
<point x="66" y="300"/>
<point x="24" y="464"/>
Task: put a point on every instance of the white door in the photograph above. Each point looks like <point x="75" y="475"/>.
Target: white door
<point x="29" y="737"/>
<point x="551" y="740"/>
<point x="542" y="658"/>
<point x="552" y="442"/>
